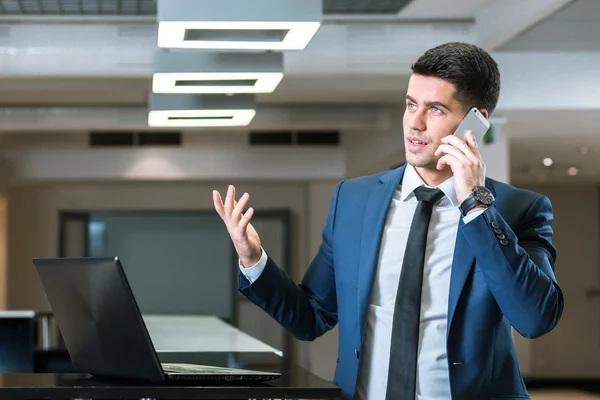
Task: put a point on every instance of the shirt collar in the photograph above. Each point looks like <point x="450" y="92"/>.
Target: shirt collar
<point x="412" y="180"/>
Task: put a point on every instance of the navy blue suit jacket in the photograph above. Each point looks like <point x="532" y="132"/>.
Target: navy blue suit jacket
<point x="502" y="276"/>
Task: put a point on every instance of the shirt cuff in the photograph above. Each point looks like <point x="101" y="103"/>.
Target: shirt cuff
<point x="253" y="273"/>
<point x="470" y="217"/>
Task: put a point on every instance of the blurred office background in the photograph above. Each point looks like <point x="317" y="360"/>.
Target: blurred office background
<point x="83" y="173"/>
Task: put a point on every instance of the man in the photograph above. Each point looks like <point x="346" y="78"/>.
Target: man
<point x="484" y="250"/>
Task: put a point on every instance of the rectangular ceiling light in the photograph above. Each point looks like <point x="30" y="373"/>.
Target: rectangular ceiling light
<point x="238" y="24"/>
<point x="189" y="110"/>
<point x="216" y="72"/>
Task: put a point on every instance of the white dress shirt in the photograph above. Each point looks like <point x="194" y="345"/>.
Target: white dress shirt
<point x="432" y="370"/>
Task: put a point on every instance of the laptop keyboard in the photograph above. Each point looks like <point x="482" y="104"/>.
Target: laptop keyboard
<point x="193" y="369"/>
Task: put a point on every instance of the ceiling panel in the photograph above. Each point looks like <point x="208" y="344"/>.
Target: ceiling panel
<point x="78" y="7"/>
<point x="443" y="9"/>
<point x="573" y="28"/>
<point x="364" y="6"/>
<point x="148" y="7"/>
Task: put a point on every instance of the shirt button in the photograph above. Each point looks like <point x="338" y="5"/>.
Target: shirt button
<point x="495" y="225"/>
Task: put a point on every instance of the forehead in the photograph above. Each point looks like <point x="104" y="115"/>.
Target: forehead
<point x="428" y="88"/>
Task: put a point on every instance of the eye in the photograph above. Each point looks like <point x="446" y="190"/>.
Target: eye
<point x="411" y="106"/>
<point x="436" y="110"/>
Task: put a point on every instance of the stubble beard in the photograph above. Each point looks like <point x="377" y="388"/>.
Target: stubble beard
<point x="430" y="163"/>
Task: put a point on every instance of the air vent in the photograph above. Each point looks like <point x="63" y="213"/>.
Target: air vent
<point x="298" y="138"/>
<point x="271" y="138"/>
<point x="159" y="139"/>
<point x="319" y="138"/>
<point x="111" y="139"/>
<point x="390" y="7"/>
<point x="135" y="139"/>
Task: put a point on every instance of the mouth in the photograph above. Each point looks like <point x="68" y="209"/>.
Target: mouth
<point x="414" y="143"/>
<point x="415" y="140"/>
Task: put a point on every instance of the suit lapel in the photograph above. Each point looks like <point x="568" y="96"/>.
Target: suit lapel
<point x="374" y="219"/>
<point x="463" y="261"/>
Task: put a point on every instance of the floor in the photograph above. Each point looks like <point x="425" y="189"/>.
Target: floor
<point x="561" y="394"/>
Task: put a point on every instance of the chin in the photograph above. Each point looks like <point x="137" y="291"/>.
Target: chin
<point x="420" y="162"/>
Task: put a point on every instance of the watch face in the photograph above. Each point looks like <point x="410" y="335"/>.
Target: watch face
<point x="483" y="195"/>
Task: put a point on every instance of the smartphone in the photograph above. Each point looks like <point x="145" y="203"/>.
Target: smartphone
<point x="473" y="121"/>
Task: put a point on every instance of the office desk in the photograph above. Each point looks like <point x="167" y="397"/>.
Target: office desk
<point x="295" y="382"/>
<point x="169" y="334"/>
<point x="198" y="333"/>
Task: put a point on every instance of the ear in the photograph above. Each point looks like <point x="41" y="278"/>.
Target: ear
<point x="484" y="112"/>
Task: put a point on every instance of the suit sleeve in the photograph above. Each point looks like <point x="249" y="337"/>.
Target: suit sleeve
<point x="519" y="267"/>
<point x="309" y="309"/>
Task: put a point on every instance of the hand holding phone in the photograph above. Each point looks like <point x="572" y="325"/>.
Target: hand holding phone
<point x="475" y="122"/>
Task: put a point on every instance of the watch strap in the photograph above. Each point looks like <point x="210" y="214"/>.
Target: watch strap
<point x="468" y="204"/>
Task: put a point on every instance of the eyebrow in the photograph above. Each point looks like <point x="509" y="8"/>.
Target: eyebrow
<point x="430" y="103"/>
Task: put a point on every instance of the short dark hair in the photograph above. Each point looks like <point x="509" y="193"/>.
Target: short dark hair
<point x="471" y="69"/>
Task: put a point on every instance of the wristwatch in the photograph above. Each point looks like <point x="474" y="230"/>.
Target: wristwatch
<point x="481" y="196"/>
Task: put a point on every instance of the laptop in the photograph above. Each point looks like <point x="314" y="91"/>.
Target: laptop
<point x="103" y="328"/>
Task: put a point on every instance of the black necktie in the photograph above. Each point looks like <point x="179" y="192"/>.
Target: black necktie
<point x="407" y="312"/>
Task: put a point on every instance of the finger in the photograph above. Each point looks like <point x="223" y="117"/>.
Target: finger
<point x="461" y="145"/>
<point x="446" y="160"/>
<point x="472" y="142"/>
<point x="229" y="200"/>
<point x="448" y="149"/>
<point x="246" y="220"/>
<point x="239" y="207"/>
<point x="218" y="204"/>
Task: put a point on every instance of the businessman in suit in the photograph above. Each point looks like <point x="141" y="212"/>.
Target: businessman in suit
<point x="425" y="268"/>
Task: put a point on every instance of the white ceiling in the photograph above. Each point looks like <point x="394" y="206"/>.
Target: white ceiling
<point x="440" y="10"/>
<point x="575" y="27"/>
<point x="149" y="7"/>
<point x="534" y="135"/>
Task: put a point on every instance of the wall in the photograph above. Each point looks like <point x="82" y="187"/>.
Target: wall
<point x="3" y="250"/>
<point x="34" y="231"/>
<point x="176" y="263"/>
<point x="4" y="185"/>
<point x="220" y="156"/>
<point x="322" y="353"/>
<point x="572" y="350"/>
<point x="4" y="177"/>
<point x="33" y="219"/>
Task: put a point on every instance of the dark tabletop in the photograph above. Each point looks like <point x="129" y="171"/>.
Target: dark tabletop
<point x="294" y="382"/>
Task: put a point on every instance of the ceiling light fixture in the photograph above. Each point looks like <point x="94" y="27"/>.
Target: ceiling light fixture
<point x="548" y="162"/>
<point x="216" y="72"/>
<point x="573" y="171"/>
<point x="238" y="24"/>
<point x="187" y="110"/>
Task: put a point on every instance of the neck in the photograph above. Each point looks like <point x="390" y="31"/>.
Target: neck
<point x="432" y="176"/>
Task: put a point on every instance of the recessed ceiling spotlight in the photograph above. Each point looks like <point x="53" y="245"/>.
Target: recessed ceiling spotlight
<point x="548" y="162"/>
<point x="572" y="171"/>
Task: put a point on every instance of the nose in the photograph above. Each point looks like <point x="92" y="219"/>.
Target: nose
<point x="416" y="122"/>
